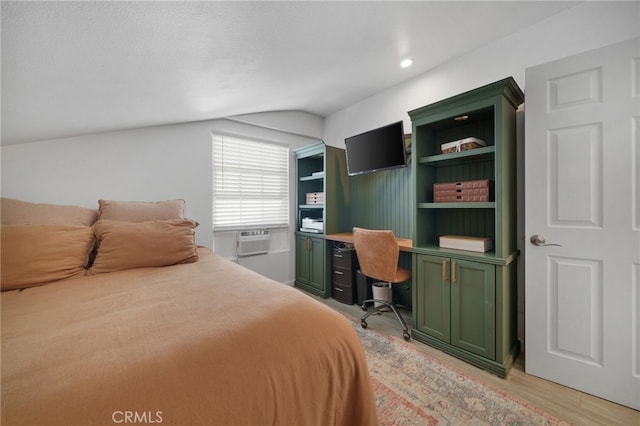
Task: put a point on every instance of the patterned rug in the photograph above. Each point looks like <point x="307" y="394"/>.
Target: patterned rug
<point x="414" y="389"/>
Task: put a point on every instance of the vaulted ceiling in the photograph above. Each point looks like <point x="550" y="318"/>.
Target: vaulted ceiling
<point x="74" y="68"/>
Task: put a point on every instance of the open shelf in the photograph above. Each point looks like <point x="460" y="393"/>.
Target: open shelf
<point x="433" y="167"/>
<point x="311" y="178"/>
<point x="458" y="205"/>
<point x="455" y="156"/>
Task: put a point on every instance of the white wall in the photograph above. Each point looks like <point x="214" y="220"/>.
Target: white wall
<point x="149" y="164"/>
<point x="156" y="163"/>
<point x="588" y="26"/>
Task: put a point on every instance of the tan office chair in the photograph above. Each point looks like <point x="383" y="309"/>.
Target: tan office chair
<point x="378" y="253"/>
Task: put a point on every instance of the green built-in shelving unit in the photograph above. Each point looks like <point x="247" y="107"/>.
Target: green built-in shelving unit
<point x="464" y="302"/>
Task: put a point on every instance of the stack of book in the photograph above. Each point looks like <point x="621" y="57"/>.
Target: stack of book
<point x="465" y="191"/>
<point x="460" y="242"/>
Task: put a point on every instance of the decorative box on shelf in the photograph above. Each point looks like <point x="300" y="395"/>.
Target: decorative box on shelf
<point x="461" y="242"/>
<point x="464" y="191"/>
<point x="315" y="197"/>
<point x="462" y="145"/>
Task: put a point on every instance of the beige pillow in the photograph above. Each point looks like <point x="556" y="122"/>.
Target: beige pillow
<point x="14" y="212"/>
<point x="37" y="254"/>
<point x="141" y="211"/>
<point x="127" y="245"/>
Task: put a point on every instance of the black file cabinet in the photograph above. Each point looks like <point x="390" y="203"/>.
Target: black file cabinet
<point x="344" y="265"/>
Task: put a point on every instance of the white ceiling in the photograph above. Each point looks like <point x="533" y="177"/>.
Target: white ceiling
<point x="74" y="68"/>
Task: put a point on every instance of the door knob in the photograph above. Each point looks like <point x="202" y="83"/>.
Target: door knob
<point x="538" y="240"/>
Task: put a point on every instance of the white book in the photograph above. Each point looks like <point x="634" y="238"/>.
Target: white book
<point x="315" y="231"/>
<point x="461" y="242"/>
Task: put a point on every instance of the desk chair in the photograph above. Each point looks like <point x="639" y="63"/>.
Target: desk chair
<point x="378" y="253"/>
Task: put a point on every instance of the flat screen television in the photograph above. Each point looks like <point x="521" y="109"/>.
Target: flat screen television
<point x="379" y="149"/>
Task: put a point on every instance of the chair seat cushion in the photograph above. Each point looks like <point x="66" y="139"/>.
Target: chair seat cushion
<point x="402" y="275"/>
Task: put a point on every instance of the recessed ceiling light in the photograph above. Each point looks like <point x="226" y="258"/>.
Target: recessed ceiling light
<point x="406" y="63"/>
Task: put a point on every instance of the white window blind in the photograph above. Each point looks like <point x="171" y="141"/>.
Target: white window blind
<point x="250" y="183"/>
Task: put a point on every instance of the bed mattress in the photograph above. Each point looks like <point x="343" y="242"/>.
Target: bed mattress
<point x="205" y="343"/>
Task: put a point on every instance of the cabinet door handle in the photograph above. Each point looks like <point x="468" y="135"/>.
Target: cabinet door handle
<point x="444" y="270"/>
<point x="453" y="272"/>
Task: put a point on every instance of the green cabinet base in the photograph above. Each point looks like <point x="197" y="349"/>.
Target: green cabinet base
<point x="311" y="265"/>
<point x="497" y="368"/>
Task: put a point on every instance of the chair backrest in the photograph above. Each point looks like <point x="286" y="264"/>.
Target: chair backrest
<point x="377" y="252"/>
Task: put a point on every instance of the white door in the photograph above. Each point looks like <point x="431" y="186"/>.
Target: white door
<point x="582" y="192"/>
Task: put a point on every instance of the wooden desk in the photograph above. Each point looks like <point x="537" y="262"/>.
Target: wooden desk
<point x="405" y="244"/>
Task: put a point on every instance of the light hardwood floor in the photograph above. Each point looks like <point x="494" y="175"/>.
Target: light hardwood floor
<point x="568" y="404"/>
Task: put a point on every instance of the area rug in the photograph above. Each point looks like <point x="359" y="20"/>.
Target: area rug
<point x="414" y="389"/>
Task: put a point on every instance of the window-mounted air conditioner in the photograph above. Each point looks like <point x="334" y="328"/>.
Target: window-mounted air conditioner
<point x="253" y="242"/>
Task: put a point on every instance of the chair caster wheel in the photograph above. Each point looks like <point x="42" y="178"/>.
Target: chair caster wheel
<point x="363" y="307"/>
<point x="406" y="336"/>
<point x="363" y="323"/>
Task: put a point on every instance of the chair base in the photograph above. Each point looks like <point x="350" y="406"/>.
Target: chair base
<point x="384" y="304"/>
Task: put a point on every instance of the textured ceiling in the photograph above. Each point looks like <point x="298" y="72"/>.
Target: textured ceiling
<point x="73" y="68"/>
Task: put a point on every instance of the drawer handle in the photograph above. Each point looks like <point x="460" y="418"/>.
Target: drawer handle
<point x="337" y="255"/>
<point x="338" y="289"/>
<point x="338" y="272"/>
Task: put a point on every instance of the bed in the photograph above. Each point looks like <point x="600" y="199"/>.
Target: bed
<point x="202" y="341"/>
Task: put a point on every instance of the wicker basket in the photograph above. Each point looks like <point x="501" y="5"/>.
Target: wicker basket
<point x="462" y="145"/>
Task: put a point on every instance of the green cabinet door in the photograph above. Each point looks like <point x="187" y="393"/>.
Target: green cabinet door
<point x="310" y="265"/>
<point x="473" y="321"/>
<point x="455" y="302"/>
<point x="303" y="261"/>
<point x="432" y="301"/>
<point x="317" y="265"/>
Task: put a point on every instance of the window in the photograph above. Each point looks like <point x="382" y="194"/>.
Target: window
<point x="250" y="183"/>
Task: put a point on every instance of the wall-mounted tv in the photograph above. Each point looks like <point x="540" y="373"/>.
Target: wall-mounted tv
<point x="379" y="149"/>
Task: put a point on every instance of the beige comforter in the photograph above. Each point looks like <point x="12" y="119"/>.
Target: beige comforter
<point x="208" y="343"/>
